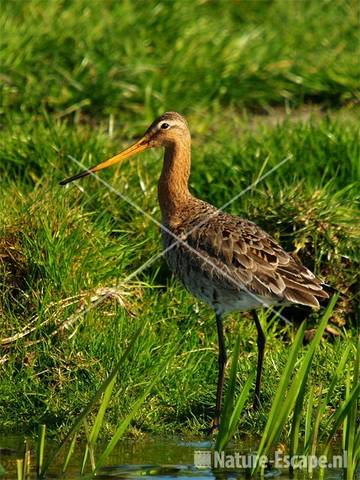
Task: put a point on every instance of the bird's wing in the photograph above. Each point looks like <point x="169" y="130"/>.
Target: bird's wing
<point x="252" y="259"/>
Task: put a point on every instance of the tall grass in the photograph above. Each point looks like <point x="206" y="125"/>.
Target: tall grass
<point x="288" y="404"/>
<point x="105" y="390"/>
<point x="347" y="415"/>
<point x="290" y="387"/>
<point x="232" y="408"/>
<point x="102" y="397"/>
<point x="63" y="249"/>
<point x="81" y="79"/>
<point x="126" y="58"/>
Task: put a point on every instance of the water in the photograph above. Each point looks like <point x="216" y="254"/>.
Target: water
<point x="155" y="458"/>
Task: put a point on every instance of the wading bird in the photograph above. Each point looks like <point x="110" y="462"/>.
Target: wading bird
<point x="226" y="261"/>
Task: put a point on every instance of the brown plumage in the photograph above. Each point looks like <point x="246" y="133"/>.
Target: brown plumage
<point x="248" y="262"/>
<point x="226" y="261"/>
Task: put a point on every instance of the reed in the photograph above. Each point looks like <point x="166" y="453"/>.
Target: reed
<point x="103" y="397"/>
<point x="232" y="408"/>
<point x="103" y="391"/>
<point x="291" y="391"/>
<point x="40" y="449"/>
<point x="289" y="400"/>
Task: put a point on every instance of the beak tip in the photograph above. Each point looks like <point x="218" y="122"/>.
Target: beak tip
<point x="75" y="177"/>
<point x="141" y="145"/>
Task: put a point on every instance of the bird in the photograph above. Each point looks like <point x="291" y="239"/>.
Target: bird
<point x="224" y="260"/>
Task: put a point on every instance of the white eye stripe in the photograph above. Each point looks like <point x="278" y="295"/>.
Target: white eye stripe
<point x="169" y="123"/>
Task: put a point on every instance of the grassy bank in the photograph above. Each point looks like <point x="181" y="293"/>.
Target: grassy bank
<point x="82" y="80"/>
<point x="63" y="248"/>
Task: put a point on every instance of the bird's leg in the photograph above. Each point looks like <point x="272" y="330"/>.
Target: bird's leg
<point x="261" y="347"/>
<point x="222" y="364"/>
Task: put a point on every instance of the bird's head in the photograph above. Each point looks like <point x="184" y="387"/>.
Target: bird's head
<point x="165" y="131"/>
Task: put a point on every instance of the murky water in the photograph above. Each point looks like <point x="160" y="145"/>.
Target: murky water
<point x="155" y="458"/>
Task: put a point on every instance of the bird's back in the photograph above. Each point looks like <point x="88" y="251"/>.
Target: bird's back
<point x="232" y="264"/>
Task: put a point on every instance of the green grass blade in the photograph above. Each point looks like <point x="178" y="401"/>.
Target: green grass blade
<point x="283" y="384"/>
<point x="69" y="454"/>
<point x="228" y="405"/>
<point x="98" y="421"/>
<point x="40" y="447"/>
<point x="341" y="413"/>
<point x="20" y="468"/>
<point x="338" y="418"/>
<point x="89" y="449"/>
<point x="304" y="368"/>
<point x="124" y="425"/>
<point x="279" y="413"/>
<point x="160" y="371"/>
<point x="78" y="422"/>
<point x="228" y="430"/>
<point x="352" y="420"/>
<point x="308" y="421"/>
<point x="345" y="423"/>
<point x="315" y="429"/>
<point x="239" y="405"/>
<point x="295" y="425"/>
<point x="100" y="415"/>
<point x="84" y="459"/>
<point x="338" y="373"/>
<point x="311" y="430"/>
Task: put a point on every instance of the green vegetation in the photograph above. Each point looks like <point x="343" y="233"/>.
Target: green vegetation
<point x="132" y="59"/>
<point x="287" y="403"/>
<point x="82" y="79"/>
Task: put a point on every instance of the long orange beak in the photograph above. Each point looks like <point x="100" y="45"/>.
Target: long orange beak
<point x="138" y="147"/>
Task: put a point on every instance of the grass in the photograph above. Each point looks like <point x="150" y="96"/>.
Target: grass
<point x="144" y="57"/>
<point x="83" y="79"/>
<point x="65" y="247"/>
<point x="287" y="404"/>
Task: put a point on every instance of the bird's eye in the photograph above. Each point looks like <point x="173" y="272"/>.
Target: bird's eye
<point x="165" y="125"/>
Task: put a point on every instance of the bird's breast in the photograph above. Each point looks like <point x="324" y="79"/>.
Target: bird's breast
<point x="196" y="273"/>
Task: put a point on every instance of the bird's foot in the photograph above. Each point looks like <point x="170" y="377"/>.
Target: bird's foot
<point x="214" y="426"/>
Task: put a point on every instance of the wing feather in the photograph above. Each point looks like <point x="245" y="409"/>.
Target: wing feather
<point x="253" y="259"/>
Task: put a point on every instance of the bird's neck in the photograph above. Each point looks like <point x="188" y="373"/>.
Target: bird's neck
<point x="173" y="191"/>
